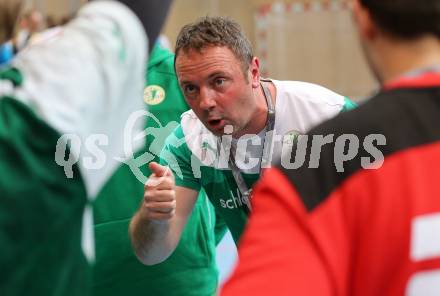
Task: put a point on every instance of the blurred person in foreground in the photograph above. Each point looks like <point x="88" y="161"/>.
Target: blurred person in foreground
<point x="10" y="14"/>
<point x="26" y="29"/>
<point x="31" y="24"/>
<point x="191" y="270"/>
<point x="63" y="107"/>
<point x="352" y="230"/>
<point x="233" y="112"/>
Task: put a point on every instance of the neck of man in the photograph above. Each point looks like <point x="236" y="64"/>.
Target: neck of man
<point x="399" y="57"/>
<point x="259" y="119"/>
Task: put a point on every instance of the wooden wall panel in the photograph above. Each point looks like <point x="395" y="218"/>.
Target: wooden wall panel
<point x="316" y="46"/>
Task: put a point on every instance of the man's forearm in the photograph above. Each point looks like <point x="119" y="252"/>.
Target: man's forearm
<point x="156" y="228"/>
<point x="152" y="241"/>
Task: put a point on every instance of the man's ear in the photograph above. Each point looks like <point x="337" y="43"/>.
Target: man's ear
<point x="254" y="71"/>
<point x="364" y="22"/>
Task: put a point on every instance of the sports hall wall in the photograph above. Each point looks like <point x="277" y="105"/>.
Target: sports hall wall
<point x="311" y="40"/>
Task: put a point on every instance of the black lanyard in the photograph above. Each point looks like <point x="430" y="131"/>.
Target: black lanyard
<point x="267" y="149"/>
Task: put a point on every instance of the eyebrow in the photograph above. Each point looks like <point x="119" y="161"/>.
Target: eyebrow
<point x="218" y="73"/>
<point x="184" y="82"/>
<point x="212" y="75"/>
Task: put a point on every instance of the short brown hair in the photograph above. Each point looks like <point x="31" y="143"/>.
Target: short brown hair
<point x="9" y="14"/>
<point x="216" y="31"/>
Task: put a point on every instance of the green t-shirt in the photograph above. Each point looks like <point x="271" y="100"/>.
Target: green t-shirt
<point x="193" y="153"/>
<point x="219" y="184"/>
<point x="78" y="88"/>
<point x="40" y="209"/>
<point x="191" y="269"/>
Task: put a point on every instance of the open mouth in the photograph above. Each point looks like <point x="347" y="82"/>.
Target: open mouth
<point x="216" y="123"/>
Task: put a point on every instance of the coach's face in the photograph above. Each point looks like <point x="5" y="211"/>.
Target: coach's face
<point x="218" y="89"/>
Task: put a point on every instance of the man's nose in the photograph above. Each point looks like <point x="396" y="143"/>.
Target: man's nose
<point x="207" y="98"/>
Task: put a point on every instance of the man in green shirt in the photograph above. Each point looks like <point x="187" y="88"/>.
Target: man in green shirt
<point x="238" y="124"/>
<point x="192" y="268"/>
<point x="56" y="100"/>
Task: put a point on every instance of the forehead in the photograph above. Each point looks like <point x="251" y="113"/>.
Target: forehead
<point x="208" y="60"/>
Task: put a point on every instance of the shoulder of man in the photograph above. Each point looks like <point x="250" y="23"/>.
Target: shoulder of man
<point x="310" y="93"/>
<point x="191" y="135"/>
<point x="304" y="105"/>
<point x="334" y="150"/>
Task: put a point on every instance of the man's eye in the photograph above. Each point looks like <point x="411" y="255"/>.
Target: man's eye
<point x="219" y="81"/>
<point x="190" y="89"/>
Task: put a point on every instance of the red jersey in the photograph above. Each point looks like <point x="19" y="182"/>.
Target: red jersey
<point x="320" y="231"/>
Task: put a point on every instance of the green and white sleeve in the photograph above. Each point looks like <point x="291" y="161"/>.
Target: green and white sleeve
<point x="180" y="160"/>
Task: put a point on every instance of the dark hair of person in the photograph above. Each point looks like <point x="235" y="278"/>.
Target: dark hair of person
<point x="407" y="19"/>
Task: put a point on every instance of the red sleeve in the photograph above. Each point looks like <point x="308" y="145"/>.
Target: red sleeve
<point x="277" y="254"/>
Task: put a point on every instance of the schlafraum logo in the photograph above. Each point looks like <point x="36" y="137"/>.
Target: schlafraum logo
<point x="234" y="201"/>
